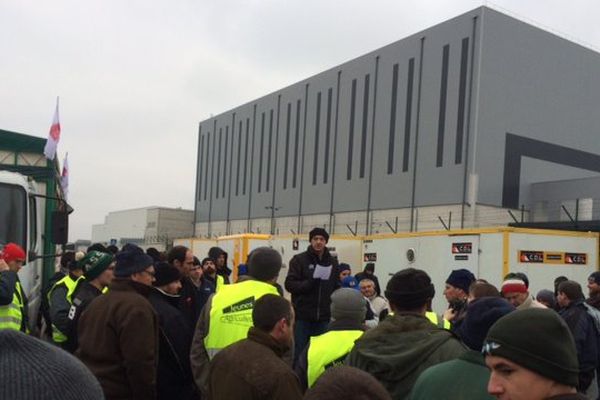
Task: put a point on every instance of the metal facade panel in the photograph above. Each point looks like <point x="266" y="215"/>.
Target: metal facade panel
<point x="289" y="161"/>
<point x="242" y="158"/>
<point x="534" y="85"/>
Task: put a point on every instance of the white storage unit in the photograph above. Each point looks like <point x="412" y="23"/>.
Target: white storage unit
<point x="489" y="253"/>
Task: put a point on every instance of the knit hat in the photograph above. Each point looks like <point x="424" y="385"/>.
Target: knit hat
<point x="32" y="369"/>
<point x="350" y="282"/>
<point x="344" y="267"/>
<point x="461" y="279"/>
<point x="95" y="263"/>
<point x="547" y="297"/>
<point x="537" y="339"/>
<point x="165" y="273"/>
<point x="595" y="277"/>
<point x="12" y="252"/>
<point x="409" y="289"/>
<point x="480" y="316"/>
<point x="347" y="304"/>
<point x="131" y="260"/>
<point x="318" y="232"/>
<point x="513" y="286"/>
<point x="264" y="263"/>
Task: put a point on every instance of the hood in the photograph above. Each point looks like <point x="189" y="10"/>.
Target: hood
<point x="215" y="252"/>
<point x="398" y="344"/>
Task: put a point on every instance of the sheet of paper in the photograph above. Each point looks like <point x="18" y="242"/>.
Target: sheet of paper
<point x="322" y="272"/>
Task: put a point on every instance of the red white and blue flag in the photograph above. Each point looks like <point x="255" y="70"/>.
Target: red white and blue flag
<point x="64" y="177"/>
<point x="53" y="136"/>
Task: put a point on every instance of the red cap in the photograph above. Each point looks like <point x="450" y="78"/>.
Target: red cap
<point x="514" y="286"/>
<point x="12" y="252"/>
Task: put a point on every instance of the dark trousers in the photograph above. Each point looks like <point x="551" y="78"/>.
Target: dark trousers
<point x="303" y="330"/>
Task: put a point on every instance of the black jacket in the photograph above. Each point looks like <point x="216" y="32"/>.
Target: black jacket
<point x="311" y="297"/>
<point x="82" y="297"/>
<point x="188" y="303"/>
<point x="174" y="375"/>
<point x="583" y="328"/>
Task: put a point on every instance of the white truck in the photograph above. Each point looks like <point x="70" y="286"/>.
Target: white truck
<point x="28" y="219"/>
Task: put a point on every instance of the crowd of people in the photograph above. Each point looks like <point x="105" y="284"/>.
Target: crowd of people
<point x="133" y="324"/>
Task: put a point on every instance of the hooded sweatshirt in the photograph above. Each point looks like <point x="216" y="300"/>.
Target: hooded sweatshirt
<point x="400" y="348"/>
<point x="225" y="271"/>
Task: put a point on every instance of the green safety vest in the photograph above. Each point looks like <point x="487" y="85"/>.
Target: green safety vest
<point x="433" y="317"/>
<point x="327" y="350"/>
<point x="231" y="313"/>
<point x="11" y="315"/>
<point x="57" y="335"/>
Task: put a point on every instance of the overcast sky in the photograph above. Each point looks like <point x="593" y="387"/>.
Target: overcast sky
<point x="136" y="77"/>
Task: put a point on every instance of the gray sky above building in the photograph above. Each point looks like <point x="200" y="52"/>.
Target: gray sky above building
<point x="135" y="78"/>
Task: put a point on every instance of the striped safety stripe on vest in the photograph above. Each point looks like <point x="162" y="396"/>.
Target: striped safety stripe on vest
<point x="71" y="285"/>
<point x="11" y="315"/>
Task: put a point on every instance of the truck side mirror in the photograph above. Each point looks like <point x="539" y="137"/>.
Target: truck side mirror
<point x="60" y="227"/>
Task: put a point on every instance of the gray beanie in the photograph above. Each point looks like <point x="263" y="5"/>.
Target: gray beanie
<point x="348" y="304"/>
<point x="33" y="369"/>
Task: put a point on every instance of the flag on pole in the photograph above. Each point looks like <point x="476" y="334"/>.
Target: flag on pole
<point x="53" y="136"/>
<point x="64" y="177"/>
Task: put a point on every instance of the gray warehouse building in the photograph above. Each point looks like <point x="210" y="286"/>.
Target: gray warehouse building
<point x="473" y="122"/>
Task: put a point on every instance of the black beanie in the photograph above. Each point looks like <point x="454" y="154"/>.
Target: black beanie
<point x="537" y="339"/>
<point x="481" y="314"/>
<point x="409" y="289"/>
<point x="264" y="263"/>
<point x="461" y="279"/>
<point x="318" y="232"/>
<point x="165" y="273"/>
<point x="131" y="260"/>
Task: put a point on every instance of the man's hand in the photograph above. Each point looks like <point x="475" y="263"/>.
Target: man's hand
<point x="450" y="314"/>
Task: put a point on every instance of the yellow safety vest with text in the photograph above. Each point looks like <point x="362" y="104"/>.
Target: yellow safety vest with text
<point x="71" y="285"/>
<point x="433" y="317"/>
<point x="11" y="315"/>
<point x="231" y="313"/>
<point x="327" y="350"/>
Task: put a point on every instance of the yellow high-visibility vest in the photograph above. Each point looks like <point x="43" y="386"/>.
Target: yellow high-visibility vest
<point x="71" y="285"/>
<point x="220" y="282"/>
<point x="433" y="317"/>
<point x="11" y="315"/>
<point x="327" y="350"/>
<point x="231" y="313"/>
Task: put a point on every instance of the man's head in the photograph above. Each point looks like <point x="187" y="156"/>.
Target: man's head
<point x="196" y="271"/>
<point x="219" y="257"/>
<point x="348" y="305"/>
<point x="97" y="247"/>
<point x="457" y="285"/>
<point x="531" y="355"/>
<point x="514" y="291"/>
<point x="480" y="289"/>
<point x="264" y="264"/>
<point x="343" y="382"/>
<point x="546" y="297"/>
<point x="273" y="314"/>
<point x="14" y="256"/>
<point x="167" y="278"/>
<point x="410" y="290"/>
<point x="344" y="270"/>
<point x="568" y="292"/>
<point x="134" y="264"/>
<point x="481" y="315"/>
<point x="558" y="281"/>
<point x="208" y="266"/>
<point x="181" y="258"/>
<point x="369" y="268"/>
<point x="594" y="283"/>
<point x="318" y="238"/>
<point x="367" y="288"/>
<point x="99" y="267"/>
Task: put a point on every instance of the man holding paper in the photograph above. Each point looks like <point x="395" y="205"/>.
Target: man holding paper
<point x="311" y="279"/>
